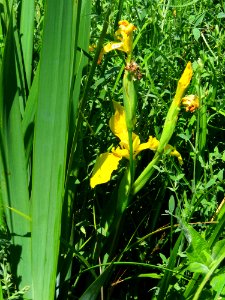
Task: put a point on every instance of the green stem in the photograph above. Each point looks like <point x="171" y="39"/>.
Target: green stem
<point x="131" y="165"/>
<point x="168" y="129"/>
<point x="145" y="175"/>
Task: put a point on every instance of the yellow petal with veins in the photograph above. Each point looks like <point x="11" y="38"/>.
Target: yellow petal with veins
<point x="136" y="143"/>
<point x="112" y="46"/>
<point x="105" y="164"/>
<point x="117" y="122"/>
<point x="121" y="152"/>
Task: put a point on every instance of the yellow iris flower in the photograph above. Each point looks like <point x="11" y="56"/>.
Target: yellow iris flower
<point x="125" y="35"/>
<point x="107" y="162"/>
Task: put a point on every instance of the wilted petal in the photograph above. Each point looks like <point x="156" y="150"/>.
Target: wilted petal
<point x="105" y="164"/>
<point x="179" y="157"/>
<point x="191" y="102"/>
<point x="126" y="27"/>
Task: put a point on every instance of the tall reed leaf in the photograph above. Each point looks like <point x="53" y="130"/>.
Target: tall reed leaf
<point x="14" y="182"/>
<point x="27" y="33"/>
<point x="50" y="144"/>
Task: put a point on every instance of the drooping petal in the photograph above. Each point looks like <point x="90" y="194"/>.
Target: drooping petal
<point x="172" y="151"/>
<point x="117" y="122"/>
<point x="153" y="143"/>
<point x="109" y="47"/>
<point x="177" y="154"/>
<point x="191" y="102"/>
<point x="105" y="164"/>
<point x="123" y="34"/>
<point x="112" y="46"/>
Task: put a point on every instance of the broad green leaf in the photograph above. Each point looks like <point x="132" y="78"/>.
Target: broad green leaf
<point x="196" y="33"/>
<point x="199" y="19"/>
<point x="198" y="268"/>
<point x="29" y="115"/>
<point x="218" y="283"/>
<point x="218" y="250"/>
<point x="198" y="250"/>
<point x="221" y="15"/>
<point x="171" y="204"/>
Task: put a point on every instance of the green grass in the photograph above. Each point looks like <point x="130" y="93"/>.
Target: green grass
<point x="60" y="239"/>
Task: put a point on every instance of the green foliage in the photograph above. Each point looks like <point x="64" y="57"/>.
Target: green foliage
<point x="60" y="239"/>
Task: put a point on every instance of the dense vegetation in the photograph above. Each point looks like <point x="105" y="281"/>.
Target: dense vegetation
<point x="154" y="229"/>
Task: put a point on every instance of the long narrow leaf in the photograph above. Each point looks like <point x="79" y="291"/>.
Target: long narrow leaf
<point x="27" y="33"/>
<point x="14" y="183"/>
<point x="50" y="145"/>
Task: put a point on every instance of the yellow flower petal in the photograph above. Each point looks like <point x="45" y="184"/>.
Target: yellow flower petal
<point x="124" y="149"/>
<point x="105" y="164"/>
<point x="191" y="102"/>
<point x="117" y="122"/>
<point x="153" y="143"/>
<point x="112" y="46"/>
<point x="136" y="143"/>
<point x="179" y="157"/>
<point x="126" y="27"/>
<point x="109" y="47"/>
<point x="125" y="35"/>
<point x="186" y="77"/>
<point x="174" y="152"/>
<point x="121" y="152"/>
